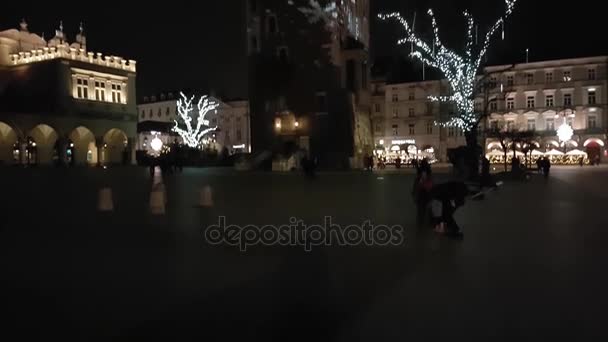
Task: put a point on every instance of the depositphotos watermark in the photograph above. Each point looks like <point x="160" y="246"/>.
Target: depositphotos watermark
<point x="297" y="233"/>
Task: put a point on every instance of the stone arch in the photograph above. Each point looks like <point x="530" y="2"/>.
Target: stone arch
<point x="551" y="144"/>
<point x="494" y="145"/>
<point x="8" y="139"/>
<point x="83" y="146"/>
<point x="114" y="147"/>
<point x="45" y="138"/>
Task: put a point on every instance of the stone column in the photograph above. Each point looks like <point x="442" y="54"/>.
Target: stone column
<point x="22" y="151"/>
<point x="101" y="158"/>
<point x="132" y="149"/>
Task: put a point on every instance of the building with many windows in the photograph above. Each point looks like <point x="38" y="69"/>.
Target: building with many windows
<point x="542" y="96"/>
<point x="157" y="115"/>
<point x="403" y="121"/>
<point x="63" y="103"/>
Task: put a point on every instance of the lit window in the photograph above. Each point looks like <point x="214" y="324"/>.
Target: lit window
<point x="116" y="93"/>
<point x="510" y="103"/>
<point x="531" y="125"/>
<point x="567" y="100"/>
<point x="82" y="88"/>
<point x="592" y="121"/>
<point x="549" y="101"/>
<point x="530" y="78"/>
<point x="531" y="102"/>
<point x="567" y="76"/>
<point x="100" y="91"/>
<point x="591" y="97"/>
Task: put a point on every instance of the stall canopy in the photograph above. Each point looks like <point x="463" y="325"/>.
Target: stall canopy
<point x="496" y="153"/>
<point x="554" y="153"/>
<point x="537" y="153"/>
<point x="576" y="153"/>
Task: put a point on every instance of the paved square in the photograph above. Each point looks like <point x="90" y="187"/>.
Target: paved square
<point x="533" y="262"/>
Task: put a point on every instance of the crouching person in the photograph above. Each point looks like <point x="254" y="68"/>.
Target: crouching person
<point x="451" y="196"/>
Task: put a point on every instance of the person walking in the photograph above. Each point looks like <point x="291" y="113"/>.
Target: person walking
<point x="546" y="167"/>
<point x="423" y="184"/>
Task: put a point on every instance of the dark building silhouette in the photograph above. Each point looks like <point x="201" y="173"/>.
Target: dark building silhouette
<point x="309" y="81"/>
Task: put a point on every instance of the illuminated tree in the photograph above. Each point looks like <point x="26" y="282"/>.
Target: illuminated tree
<point x="316" y="13"/>
<point x="460" y="69"/>
<point x="194" y="133"/>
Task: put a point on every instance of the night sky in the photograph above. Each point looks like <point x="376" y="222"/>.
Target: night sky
<point x="179" y="46"/>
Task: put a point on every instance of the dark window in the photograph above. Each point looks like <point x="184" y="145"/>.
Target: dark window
<point x="272" y="24"/>
<point x="364" y="75"/>
<point x="283" y="54"/>
<point x="321" y="103"/>
<point x="350" y="75"/>
<point x="253" y="6"/>
<point x="254" y="43"/>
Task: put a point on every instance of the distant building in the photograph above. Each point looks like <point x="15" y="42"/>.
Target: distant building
<point x="403" y="121"/>
<point x="157" y="115"/>
<point x="309" y="82"/>
<point x="541" y="96"/>
<point x="61" y="102"/>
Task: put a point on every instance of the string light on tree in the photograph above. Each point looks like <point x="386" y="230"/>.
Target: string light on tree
<point x="315" y="13"/>
<point x="193" y="134"/>
<point x="459" y="69"/>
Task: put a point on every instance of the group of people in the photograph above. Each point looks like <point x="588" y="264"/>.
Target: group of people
<point x="438" y="201"/>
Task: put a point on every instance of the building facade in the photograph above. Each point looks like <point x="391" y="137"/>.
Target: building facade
<point x="157" y="115"/>
<point x="62" y="103"/>
<point x="539" y="97"/>
<point x="309" y="81"/>
<point x="404" y="121"/>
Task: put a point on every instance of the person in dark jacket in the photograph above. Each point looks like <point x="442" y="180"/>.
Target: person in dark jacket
<point x="546" y="167"/>
<point x="452" y="196"/>
<point x="421" y="190"/>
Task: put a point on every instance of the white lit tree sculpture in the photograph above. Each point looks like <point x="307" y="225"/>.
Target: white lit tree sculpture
<point x="460" y="69"/>
<point x="193" y="133"/>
